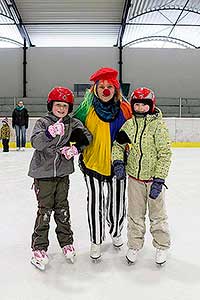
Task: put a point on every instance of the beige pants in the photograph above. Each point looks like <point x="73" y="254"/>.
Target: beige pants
<point x="138" y="201"/>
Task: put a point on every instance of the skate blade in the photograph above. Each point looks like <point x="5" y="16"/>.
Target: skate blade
<point x="117" y="247"/>
<point x="129" y="261"/>
<point x="159" y="265"/>
<point x="37" y="264"/>
<point x="95" y="259"/>
<point x="70" y="260"/>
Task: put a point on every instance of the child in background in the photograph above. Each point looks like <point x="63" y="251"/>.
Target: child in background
<point x="147" y="166"/>
<point x="5" y="134"/>
<point x="51" y="164"/>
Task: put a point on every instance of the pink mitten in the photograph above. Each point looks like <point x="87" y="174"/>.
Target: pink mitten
<point x="69" y="152"/>
<point x="57" y="129"/>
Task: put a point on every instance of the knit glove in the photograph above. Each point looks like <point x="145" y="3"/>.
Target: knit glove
<point x="156" y="187"/>
<point x="69" y="152"/>
<point x="57" y="128"/>
<point x="119" y="169"/>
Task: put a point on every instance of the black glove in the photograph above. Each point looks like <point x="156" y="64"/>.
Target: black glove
<point x="156" y="187"/>
<point x="119" y="169"/>
<point x="79" y="138"/>
<point x="122" y="138"/>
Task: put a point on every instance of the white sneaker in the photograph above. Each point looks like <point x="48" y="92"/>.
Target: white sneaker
<point x="161" y="256"/>
<point x="69" y="252"/>
<point x="95" y="251"/>
<point x="18" y="149"/>
<point x="40" y="259"/>
<point x="22" y="149"/>
<point x="131" y="255"/>
<point x="117" y="241"/>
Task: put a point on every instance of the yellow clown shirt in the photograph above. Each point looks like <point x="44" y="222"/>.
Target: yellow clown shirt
<point x="103" y="121"/>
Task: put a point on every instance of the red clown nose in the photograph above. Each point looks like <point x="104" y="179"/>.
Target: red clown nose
<point x="106" y="92"/>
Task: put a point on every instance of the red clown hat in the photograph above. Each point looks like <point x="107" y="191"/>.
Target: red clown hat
<point x="106" y="74"/>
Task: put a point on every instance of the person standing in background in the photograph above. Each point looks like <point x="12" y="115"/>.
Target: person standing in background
<point x="20" y="119"/>
<point x="5" y="134"/>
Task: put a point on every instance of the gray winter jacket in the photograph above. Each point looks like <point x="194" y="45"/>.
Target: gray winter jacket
<point x="47" y="160"/>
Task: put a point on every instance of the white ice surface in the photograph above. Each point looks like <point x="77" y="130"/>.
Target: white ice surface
<point x="112" y="278"/>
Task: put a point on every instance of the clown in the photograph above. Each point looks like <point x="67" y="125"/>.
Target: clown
<point x="103" y="112"/>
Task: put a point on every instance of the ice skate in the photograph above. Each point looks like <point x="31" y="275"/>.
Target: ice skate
<point x="40" y="259"/>
<point x="95" y="252"/>
<point x="117" y="242"/>
<point x="69" y="253"/>
<point x="161" y="257"/>
<point x="131" y="256"/>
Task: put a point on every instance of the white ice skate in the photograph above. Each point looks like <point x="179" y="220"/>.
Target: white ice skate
<point x="40" y="259"/>
<point x="117" y="242"/>
<point x="69" y="253"/>
<point x="161" y="257"/>
<point x="131" y="255"/>
<point x="95" y="252"/>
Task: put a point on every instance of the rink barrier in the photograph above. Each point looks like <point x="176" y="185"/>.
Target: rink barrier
<point x="184" y="132"/>
<point x="12" y="145"/>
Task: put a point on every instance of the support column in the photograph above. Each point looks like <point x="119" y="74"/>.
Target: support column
<point x="120" y="63"/>
<point x="24" y="69"/>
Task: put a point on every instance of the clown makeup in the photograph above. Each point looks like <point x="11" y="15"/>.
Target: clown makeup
<point x="141" y="108"/>
<point x="105" y="90"/>
<point x="60" y="109"/>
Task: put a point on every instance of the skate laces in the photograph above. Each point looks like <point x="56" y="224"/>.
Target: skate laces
<point x="95" y="249"/>
<point x="160" y="253"/>
<point x="68" y="248"/>
<point x="39" y="254"/>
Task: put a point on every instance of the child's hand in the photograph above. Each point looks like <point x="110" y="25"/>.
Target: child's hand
<point x="119" y="169"/>
<point x="69" y="152"/>
<point x="57" y="129"/>
<point x="156" y="187"/>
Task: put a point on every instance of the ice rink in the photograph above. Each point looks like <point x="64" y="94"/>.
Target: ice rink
<point x="111" y="278"/>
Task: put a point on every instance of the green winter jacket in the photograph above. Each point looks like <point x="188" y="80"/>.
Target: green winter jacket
<point x="150" y="149"/>
<point x="5" y="132"/>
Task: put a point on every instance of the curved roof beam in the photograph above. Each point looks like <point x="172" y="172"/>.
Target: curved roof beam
<point x="7" y="18"/>
<point x="162" y="38"/>
<point x="10" y="41"/>
<point x="14" y="13"/>
<point x="166" y="8"/>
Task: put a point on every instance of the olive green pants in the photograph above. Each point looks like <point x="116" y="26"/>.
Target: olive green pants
<point x="52" y="194"/>
<point x="138" y="202"/>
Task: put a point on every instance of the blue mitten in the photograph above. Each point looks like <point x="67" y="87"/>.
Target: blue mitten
<point x="119" y="169"/>
<point x="156" y="187"/>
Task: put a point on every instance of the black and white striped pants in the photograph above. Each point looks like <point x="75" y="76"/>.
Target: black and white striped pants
<point x="104" y="204"/>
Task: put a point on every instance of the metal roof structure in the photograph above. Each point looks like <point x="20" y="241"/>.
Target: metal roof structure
<point x="94" y="23"/>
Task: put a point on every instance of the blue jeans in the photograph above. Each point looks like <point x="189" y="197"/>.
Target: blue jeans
<point x="20" y="136"/>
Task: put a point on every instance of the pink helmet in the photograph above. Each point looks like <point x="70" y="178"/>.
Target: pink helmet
<point x="144" y="95"/>
<point x="61" y="94"/>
